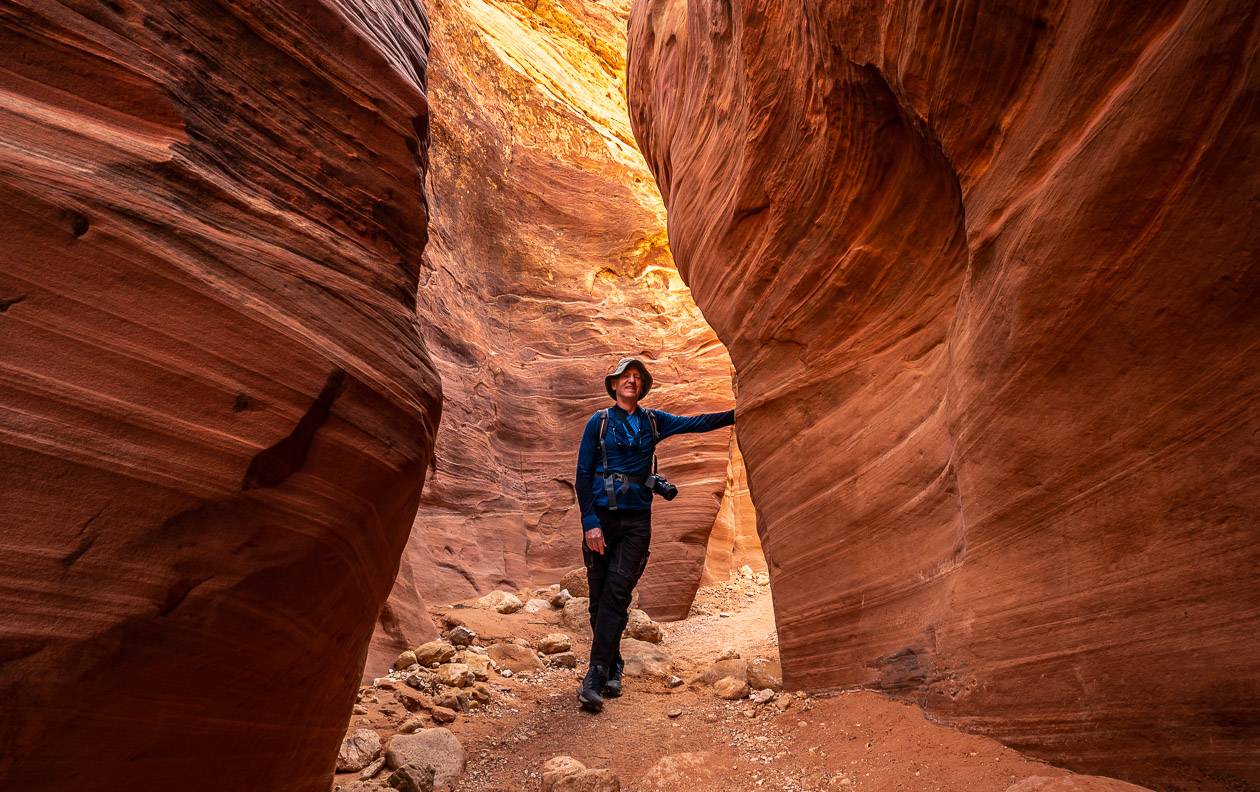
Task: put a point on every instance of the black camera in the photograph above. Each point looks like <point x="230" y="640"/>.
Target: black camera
<point x="660" y="486"/>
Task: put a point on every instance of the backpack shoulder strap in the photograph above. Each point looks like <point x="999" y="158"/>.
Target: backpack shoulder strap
<point x="603" y="429"/>
<point x="603" y="453"/>
<point x="656" y="437"/>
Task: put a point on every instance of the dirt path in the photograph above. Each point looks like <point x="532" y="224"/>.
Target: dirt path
<point x="688" y="739"/>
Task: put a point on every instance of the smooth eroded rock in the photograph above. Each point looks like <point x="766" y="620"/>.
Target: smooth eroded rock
<point x="986" y="284"/>
<point x="641" y="627"/>
<point x="216" y="402"/>
<point x="514" y="657"/>
<point x="731" y="688"/>
<point x="434" y="652"/>
<point x="646" y="659"/>
<point x="501" y="602"/>
<point x="552" y="643"/>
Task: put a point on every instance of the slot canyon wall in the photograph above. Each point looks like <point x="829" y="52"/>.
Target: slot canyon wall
<point x="734" y="542"/>
<point x="547" y="262"/>
<point x="988" y="274"/>
<point x="216" y="411"/>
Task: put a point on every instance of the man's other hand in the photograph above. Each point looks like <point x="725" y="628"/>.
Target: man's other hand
<point x="595" y="540"/>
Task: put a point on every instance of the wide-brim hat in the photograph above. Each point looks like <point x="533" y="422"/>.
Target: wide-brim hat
<point x="622" y="365"/>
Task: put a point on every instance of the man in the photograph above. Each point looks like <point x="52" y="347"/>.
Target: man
<point x="614" y="490"/>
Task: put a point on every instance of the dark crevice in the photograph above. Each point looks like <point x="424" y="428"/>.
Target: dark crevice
<point x="274" y="465"/>
<point x="177" y="593"/>
<point x="85" y="542"/>
<point x="8" y="302"/>
<point x="79" y="224"/>
<point x="464" y="573"/>
<point x="84" y="545"/>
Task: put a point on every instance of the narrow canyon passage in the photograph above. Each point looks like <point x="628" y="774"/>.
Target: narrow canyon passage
<point x="303" y="308"/>
<point x="671" y="731"/>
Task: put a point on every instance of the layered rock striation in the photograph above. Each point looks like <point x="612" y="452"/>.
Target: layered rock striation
<point x="987" y="276"/>
<point x="216" y="411"/>
<point x="547" y="263"/>
<point x="734" y="542"/>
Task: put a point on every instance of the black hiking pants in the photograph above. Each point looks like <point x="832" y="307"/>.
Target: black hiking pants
<point x="612" y="576"/>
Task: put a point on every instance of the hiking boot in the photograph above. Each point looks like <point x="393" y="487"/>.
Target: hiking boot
<point x="589" y="692"/>
<point x="612" y="688"/>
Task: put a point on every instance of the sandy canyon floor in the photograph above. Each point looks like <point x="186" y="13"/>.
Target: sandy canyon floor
<point x="687" y="738"/>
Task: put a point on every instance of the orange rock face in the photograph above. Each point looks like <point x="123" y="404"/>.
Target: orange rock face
<point x="987" y="274"/>
<point x="734" y="542"/>
<point x="217" y="411"/>
<point x="547" y="263"/>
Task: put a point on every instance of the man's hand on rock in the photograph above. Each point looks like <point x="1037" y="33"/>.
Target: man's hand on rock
<point x="595" y="540"/>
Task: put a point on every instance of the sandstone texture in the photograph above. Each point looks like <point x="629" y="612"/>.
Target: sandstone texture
<point x="216" y="411"/>
<point x="987" y="273"/>
<point x="734" y="542"/>
<point x="547" y="263"/>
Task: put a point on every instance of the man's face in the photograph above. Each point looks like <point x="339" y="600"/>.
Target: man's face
<point x="630" y="383"/>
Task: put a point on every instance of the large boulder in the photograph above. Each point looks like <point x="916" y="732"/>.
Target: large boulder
<point x="576" y="615"/>
<point x="731" y="688"/>
<point x="519" y="659"/>
<point x="574" y="581"/>
<point x="501" y="602"/>
<point x="455" y="675"/>
<point x="763" y="674"/>
<point x="436" y="748"/>
<point x="405" y="660"/>
<point x="552" y="643"/>
<point x="641" y="627"/>
<point x="434" y="652"/>
<point x="734" y="667"/>
<point x="645" y="659"/>
<point x="358" y="750"/>
<point x="557" y="768"/>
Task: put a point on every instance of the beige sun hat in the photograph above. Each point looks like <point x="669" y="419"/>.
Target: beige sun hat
<point x="622" y="365"/>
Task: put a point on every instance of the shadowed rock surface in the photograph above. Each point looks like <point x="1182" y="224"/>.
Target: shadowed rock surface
<point x="988" y="276"/>
<point x="217" y="411"/>
<point x="547" y="263"/>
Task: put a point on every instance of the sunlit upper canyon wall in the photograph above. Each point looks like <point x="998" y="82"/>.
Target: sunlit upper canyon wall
<point x="216" y="411"/>
<point x="988" y="274"/>
<point x="547" y="262"/>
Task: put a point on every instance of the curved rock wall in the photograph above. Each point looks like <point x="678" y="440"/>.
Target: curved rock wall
<point x="215" y="410"/>
<point x="988" y="276"/>
<point x="734" y="542"/>
<point x="548" y="262"/>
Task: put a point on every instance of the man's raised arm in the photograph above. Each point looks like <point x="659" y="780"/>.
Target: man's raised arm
<point x="668" y="424"/>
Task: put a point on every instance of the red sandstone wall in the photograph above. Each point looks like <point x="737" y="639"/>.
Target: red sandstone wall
<point x="215" y="409"/>
<point x="987" y="272"/>
<point x="734" y="542"/>
<point x="548" y="262"/>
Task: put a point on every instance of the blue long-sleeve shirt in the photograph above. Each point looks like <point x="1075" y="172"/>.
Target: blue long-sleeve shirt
<point x="630" y="450"/>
